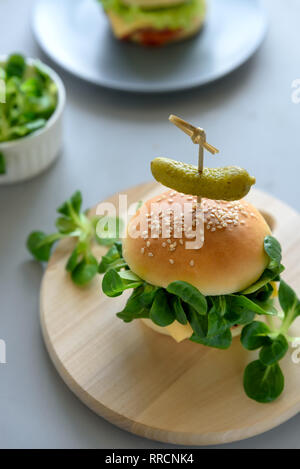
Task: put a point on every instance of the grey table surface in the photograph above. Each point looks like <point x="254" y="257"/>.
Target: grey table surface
<point x="110" y="139"/>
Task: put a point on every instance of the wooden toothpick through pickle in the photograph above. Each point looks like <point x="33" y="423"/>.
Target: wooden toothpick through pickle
<point x="198" y="137"/>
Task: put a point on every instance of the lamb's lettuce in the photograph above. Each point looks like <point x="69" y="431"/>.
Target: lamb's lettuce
<point x="30" y="98"/>
<point x="81" y="264"/>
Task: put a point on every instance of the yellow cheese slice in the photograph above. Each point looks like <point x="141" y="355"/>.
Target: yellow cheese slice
<point x="177" y="331"/>
<point x="122" y="29"/>
<point x="180" y="332"/>
<point x="275" y="292"/>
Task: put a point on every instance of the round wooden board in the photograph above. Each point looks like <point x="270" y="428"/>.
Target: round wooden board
<point x="146" y="383"/>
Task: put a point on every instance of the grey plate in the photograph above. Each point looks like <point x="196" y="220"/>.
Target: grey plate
<point x="76" y="34"/>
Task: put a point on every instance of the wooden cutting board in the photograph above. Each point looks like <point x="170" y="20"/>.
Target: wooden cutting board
<point x="148" y="384"/>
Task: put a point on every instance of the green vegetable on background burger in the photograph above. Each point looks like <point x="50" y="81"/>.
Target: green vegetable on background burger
<point x="155" y="22"/>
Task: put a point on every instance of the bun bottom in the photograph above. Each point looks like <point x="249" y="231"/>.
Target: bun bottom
<point x="236" y="331"/>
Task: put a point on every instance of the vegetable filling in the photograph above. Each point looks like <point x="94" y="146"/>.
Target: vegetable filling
<point x="179" y="16"/>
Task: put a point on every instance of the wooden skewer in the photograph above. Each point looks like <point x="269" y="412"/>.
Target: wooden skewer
<point x="201" y="159"/>
<point x="198" y="136"/>
<point x="196" y="133"/>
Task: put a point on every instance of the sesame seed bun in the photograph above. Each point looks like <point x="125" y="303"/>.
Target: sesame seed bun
<point x="231" y="258"/>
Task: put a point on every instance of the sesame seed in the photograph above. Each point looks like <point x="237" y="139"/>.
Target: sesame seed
<point x="171" y="261"/>
<point x="148" y="244"/>
<point x="150" y="254"/>
<point x="192" y="263"/>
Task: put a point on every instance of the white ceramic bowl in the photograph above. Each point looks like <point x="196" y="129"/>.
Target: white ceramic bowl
<point x="28" y="156"/>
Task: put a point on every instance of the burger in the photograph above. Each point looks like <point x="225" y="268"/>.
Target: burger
<point x="154" y="22"/>
<point x="205" y="292"/>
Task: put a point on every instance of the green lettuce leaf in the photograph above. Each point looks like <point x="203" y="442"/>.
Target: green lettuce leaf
<point x="174" y="17"/>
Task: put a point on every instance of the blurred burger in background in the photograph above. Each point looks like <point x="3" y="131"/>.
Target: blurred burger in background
<point x="155" y="22"/>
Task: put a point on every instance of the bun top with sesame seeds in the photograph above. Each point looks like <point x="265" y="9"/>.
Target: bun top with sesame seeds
<point x="217" y="247"/>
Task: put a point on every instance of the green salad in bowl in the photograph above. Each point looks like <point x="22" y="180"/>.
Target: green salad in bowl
<point x="32" y="98"/>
